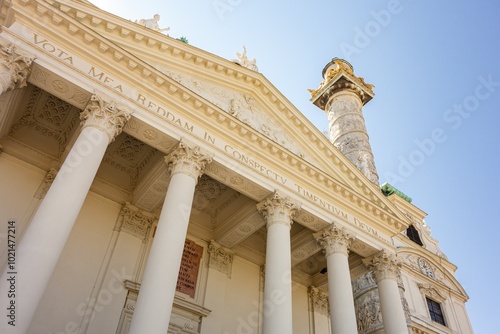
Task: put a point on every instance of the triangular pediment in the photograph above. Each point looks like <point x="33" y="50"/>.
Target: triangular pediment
<point x="243" y="96"/>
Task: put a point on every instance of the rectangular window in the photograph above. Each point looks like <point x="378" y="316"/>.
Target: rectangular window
<point x="435" y="311"/>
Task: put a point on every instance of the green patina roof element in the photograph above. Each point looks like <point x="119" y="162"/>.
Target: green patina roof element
<point x="183" y="39"/>
<point x="388" y="190"/>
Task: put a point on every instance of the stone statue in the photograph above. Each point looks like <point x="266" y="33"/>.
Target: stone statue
<point x="245" y="62"/>
<point x="152" y="23"/>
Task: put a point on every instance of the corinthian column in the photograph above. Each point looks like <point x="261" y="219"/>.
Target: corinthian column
<point x="49" y="229"/>
<point x="336" y="241"/>
<point x="15" y="66"/>
<point x="386" y="268"/>
<point x="156" y="296"/>
<point x="278" y="211"/>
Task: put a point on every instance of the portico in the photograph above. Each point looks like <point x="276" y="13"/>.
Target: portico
<point x="154" y="178"/>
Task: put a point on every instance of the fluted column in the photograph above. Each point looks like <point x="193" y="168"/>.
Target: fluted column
<point x="278" y="211"/>
<point x="156" y="296"/>
<point x="49" y="229"/>
<point x="15" y="66"/>
<point x="386" y="268"/>
<point x="336" y="241"/>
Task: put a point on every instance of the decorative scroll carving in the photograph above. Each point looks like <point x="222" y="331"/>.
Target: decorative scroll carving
<point x="46" y="183"/>
<point x="278" y="209"/>
<point x="186" y="160"/>
<point x="431" y="292"/>
<point x="105" y="116"/>
<point x="319" y="301"/>
<point x="135" y="221"/>
<point x="334" y="239"/>
<point x="245" y="62"/>
<point x="15" y="66"/>
<point x="221" y="258"/>
<point x="384" y="266"/>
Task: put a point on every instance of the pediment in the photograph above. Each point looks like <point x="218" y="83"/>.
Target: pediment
<point x="209" y="82"/>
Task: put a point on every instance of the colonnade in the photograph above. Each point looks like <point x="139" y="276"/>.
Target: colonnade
<point x="51" y="225"/>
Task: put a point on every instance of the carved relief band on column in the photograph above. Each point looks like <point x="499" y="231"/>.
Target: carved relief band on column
<point x="278" y="209"/>
<point x="334" y="239"/>
<point x="186" y="160"/>
<point x="384" y="266"/>
<point x="15" y="66"/>
<point x="106" y="116"/>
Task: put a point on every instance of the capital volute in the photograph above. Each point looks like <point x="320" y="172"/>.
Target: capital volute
<point x="105" y="116"/>
<point x="334" y="239"/>
<point x="278" y="209"/>
<point x="384" y="265"/>
<point x="187" y="160"/>
<point x="15" y="65"/>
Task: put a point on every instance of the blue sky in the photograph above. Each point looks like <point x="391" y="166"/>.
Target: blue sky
<point x="434" y="121"/>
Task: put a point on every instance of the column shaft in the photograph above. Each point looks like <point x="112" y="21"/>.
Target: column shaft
<point x="342" y="312"/>
<point x="386" y="269"/>
<point x="277" y="286"/>
<point x="277" y="307"/>
<point x="156" y="296"/>
<point x="44" y="239"/>
<point x="336" y="241"/>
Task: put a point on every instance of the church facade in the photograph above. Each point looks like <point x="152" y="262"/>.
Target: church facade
<point x="152" y="187"/>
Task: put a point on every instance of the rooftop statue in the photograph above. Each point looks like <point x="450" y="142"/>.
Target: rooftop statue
<point x="245" y="62"/>
<point x="152" y="23"/>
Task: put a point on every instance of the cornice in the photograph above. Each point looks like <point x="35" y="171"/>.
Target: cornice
<point x="367" y="197"/>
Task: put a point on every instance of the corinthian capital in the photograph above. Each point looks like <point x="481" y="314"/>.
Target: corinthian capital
<point x="334" y="239"/>
<point x="221" y="258"/>
<point x="278" y="209"/>
<point x="384" y="266"/>
<point x="15" y="66"/>
<point x="186" y="160"/>
<point x="107" y="117"/>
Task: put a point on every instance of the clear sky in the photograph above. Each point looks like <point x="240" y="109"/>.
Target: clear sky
<point x="434" y="122"/>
